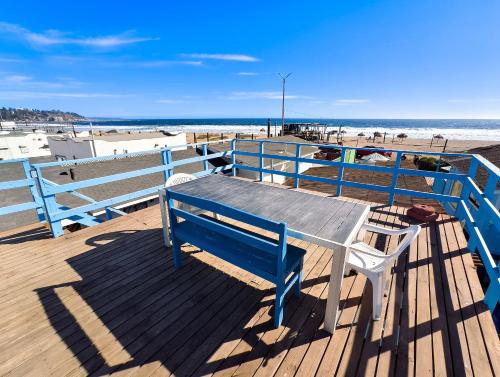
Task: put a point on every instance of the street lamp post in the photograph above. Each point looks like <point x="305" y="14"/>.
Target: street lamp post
<point x="283" y="80"/>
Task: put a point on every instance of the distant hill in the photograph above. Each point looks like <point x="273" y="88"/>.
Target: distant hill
<point x="34" y="115"/>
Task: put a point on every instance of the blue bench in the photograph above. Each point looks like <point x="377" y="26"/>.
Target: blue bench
<point x="271" y="259"/>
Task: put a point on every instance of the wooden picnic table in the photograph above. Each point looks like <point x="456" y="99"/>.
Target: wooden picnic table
<point x="326" y="221"/>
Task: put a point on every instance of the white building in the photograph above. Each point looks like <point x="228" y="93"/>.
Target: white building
<point x="70" y="148"/>
<point x="7" y="125"/>
<point x="23" y="145"/>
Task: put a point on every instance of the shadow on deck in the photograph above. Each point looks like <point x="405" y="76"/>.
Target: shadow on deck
<point x="107" y="299"/>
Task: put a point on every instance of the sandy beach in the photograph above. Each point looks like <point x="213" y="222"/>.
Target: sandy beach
<point x="408" y="144"/>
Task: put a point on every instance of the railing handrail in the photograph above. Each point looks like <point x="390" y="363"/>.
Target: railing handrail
<point x="333" y="146"/>
<point x="489" y="213"/>
<point x="473" y="218"/>
<point x="80" y="161"/>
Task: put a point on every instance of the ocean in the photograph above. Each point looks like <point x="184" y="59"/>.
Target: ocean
<point x="464" y="129"/>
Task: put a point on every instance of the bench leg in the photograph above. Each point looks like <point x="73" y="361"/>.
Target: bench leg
<point x="176" y="252"/>
<point x="299" y="280"/>
<point x="278" y="306"/>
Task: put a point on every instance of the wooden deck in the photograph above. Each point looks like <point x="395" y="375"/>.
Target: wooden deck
<point x="107" y="300"/>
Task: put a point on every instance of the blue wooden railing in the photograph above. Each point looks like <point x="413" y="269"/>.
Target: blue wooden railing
<point x="27" y="182"/>
<point x="472" y="206"/>
<point x="479" y="217"/>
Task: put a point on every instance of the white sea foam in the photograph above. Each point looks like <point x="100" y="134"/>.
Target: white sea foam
<point x="487" y="134"/>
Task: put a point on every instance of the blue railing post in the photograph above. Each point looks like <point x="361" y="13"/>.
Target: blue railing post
<point x="233" y="157"/>
<point x="166" y="159"/>
<point x="394" y="181"/>
<point x="341" y="172"/>
<point x="491" y="186"/>
<point x="34" y="192"/>
<point x="297" y="166"/>
<point x="50" y="205"/>
<point x="205" y="154"/>
<point x="464" y="195"/>
<point x="261" y="160"/>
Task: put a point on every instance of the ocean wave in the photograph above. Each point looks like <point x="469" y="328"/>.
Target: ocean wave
<point x="472" y="133"/>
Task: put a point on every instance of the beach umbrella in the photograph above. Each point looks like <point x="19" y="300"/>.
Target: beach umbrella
<point x="439" y="137"/>
<point x="361" y="134"/>
<point x="402" y="136"/>
<point x="376" y="134"/>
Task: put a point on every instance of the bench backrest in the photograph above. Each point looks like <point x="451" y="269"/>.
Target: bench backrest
<point x="275" y="248"/>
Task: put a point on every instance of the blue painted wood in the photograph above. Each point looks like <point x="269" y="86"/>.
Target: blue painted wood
<point x="29" y="183"/>
<point x="261" y="160"/>
<point x="270" y="259"/>
<point x="205" y="153"/>
<point x="297" y="166"/>
<point x="340" y="172"/>
<point x="394" y="180"/>
<point x="50" y="205"/>
<point x="17" y="208"/>
<point x="8" y="185"/>
<point x="166" y="160"/>
<point x="233" y="157"/>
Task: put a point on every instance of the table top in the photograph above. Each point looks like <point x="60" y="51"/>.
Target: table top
<point x="322" y="220"/>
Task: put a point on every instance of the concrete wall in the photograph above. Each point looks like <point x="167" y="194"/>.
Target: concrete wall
<point x="71" y="148"/>
<point x="23" y="146"/>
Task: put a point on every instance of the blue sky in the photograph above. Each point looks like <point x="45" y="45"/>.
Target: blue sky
<point x="350" y="59"/>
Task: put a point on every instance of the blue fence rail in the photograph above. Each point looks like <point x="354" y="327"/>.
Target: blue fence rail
<point x="479" y="215"/>
<point x="27" y="182"/>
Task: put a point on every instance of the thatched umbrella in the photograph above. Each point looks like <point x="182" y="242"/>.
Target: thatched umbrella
<point x="375" y="135"/>
<point x="402" y="136"/>
<point x="361" y="134"/>
<point x="439" y="137"/>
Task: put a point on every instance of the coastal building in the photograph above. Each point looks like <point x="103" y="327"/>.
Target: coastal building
<point x="7" y="125"/>
<point x="15" y="144"/>
<point x="112" y="143"/>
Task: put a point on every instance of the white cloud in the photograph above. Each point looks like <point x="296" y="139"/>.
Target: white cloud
<point x="247" y="74"/>
<point x="260" y="95"/>
<point x="170" y="101"/>
<point x="231" y="57"/>
<point x="17" y="81"/>
<point x="23" y="95"/>
<point x="354" y="101"/>
<point x="17" y="78"/>
<point x="10" y="60"/>
<point x="475" y="100"/>
<point x="54" y="37"/>
<point x="164" y="63"/>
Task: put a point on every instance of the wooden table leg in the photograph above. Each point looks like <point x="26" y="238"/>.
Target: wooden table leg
<point x="336" y="276"/>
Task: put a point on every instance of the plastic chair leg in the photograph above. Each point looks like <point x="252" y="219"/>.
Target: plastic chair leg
<point x="378" y="285"/>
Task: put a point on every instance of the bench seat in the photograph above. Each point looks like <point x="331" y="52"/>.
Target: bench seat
<point x="241" y="254"/>
<point x="272" y="259"/>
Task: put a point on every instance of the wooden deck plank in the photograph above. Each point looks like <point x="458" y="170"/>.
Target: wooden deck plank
<point x="344" y="351"/>
<point x="95" y="302"/>
<point x="423" y="332"/>
<point x="477" y="349"/>
<point x="487" y="326"/>
<point x="312" y="351"/>
<point x="389" y="342"/>
<point x="460" y="351"/>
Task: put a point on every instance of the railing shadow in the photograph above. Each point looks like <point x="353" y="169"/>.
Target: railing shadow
<point x="132" y="308"/>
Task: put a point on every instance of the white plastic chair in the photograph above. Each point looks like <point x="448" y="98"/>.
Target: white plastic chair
<point x="373" y="263"/>
<point x="173" y="180"/>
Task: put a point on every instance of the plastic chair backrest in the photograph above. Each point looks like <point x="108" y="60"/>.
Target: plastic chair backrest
<point x="178" y="179"/>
